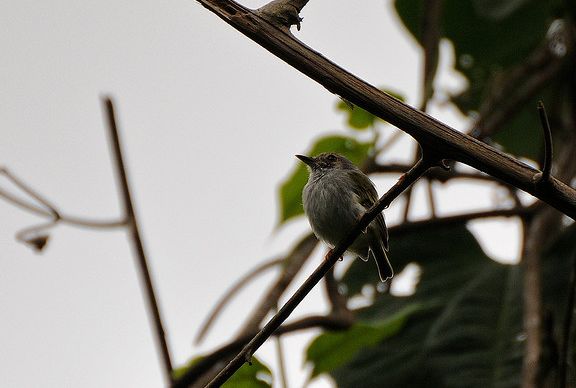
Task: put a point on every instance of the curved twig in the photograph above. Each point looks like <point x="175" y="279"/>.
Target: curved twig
<point x="49" y="210"/>
<point x="294" y="262"/>
<point x="231" y="292"/>
<point x="547" y="165"/>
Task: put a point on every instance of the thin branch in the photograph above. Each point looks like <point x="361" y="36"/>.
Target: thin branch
<point x="431" y="200"/>
<point x="136" y="240"/>
<point x="31" y="192"/>
<point x="407" y="203"/>
<point x="412" y="226"/>
<point x="231" y="292"/>
<point x="50" y="210"/>
<point x="281" y="360"/>
<point x="294" y="262"/>
<point x="437" y="174"/>
<point x="429" y="132"/>
<point x="547" y="167"/>
<point x="403" y="183"/>
<point x="338" y="302"/>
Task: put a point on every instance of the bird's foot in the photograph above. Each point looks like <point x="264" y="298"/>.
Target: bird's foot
<point x="329" y="253"/>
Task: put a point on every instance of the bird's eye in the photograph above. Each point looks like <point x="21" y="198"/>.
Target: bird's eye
<point x="332" y="158"/>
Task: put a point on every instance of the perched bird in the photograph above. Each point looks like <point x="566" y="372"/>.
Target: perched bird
<point x="336" y="196"/>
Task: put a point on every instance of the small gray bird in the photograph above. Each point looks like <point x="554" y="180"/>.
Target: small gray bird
<point x="336" y="196"/>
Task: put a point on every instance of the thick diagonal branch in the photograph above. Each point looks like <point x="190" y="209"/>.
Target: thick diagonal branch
<point x="448" y="143"/>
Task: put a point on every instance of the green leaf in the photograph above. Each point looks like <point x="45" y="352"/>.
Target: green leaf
<point x="256" y="375"/>
<point x="469" y="332"/>
<point x="291" y="188"/>
<point x="467" y="336"/>
<point x="359" y="118"/>
<point x="333" y="349"/>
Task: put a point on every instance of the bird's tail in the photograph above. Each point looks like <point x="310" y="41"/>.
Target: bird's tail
<point x="381" y="258"/>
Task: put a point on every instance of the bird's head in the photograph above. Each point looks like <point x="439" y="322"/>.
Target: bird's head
<point x="327" y="161"/>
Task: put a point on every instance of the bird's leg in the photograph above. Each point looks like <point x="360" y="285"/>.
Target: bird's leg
<point x="328" y="254"/>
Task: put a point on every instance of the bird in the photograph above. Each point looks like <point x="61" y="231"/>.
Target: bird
<point x="336" y="196"/>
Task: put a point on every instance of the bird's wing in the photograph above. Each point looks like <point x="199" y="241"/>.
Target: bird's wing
<point x="366" y="191"/>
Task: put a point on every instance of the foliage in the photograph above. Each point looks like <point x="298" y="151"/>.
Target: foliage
<point x="467" y="329"/>
<point x="463" y="325"/>
<point x="491" y="39"/>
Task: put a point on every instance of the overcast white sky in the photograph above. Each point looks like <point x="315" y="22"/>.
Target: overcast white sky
<point x="211" y="123"/>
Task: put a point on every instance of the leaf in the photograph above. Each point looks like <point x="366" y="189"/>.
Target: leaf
<point x="482" y="33"/>
<point x="469" y="332"/>
<point x="467" y="335"/>
<point x="291" y="188"/>
<point x="256" y="375"/>
<point x="359" y="118"/>
<point x="333" y="349"/>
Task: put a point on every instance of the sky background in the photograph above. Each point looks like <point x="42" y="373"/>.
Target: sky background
<point x="210" y="123"/>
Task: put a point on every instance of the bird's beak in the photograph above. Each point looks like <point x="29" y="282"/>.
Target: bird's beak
<point x="308" y="160"/>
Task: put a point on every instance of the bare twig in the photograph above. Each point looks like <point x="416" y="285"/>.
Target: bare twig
<point x="294" y="262"/>
<point x="231" y="292"/>
<point x="281" y="360"/>
<point x="411" y="226"/>
<point x="338" y="302"/>
<point x="31" y="192"/>
<point x="407" y="203"/>
<point x="49" y="210"/>
<point x="136" y="240"/>
<point x="431" y="200"/>
<point x="547" y="167"/>
<point x="403" y="183"/>
<point x="430" y="133"/>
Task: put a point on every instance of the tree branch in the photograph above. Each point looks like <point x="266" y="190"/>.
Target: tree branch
<point x="403" y="183"/>
<point x="294" y="262"/>
<point x="232" y="291"/>
<point x="430" y="133"/>
<point x="547" y="165"/>
<point x="49" y="210"/>
<point x="136" y="240"/>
